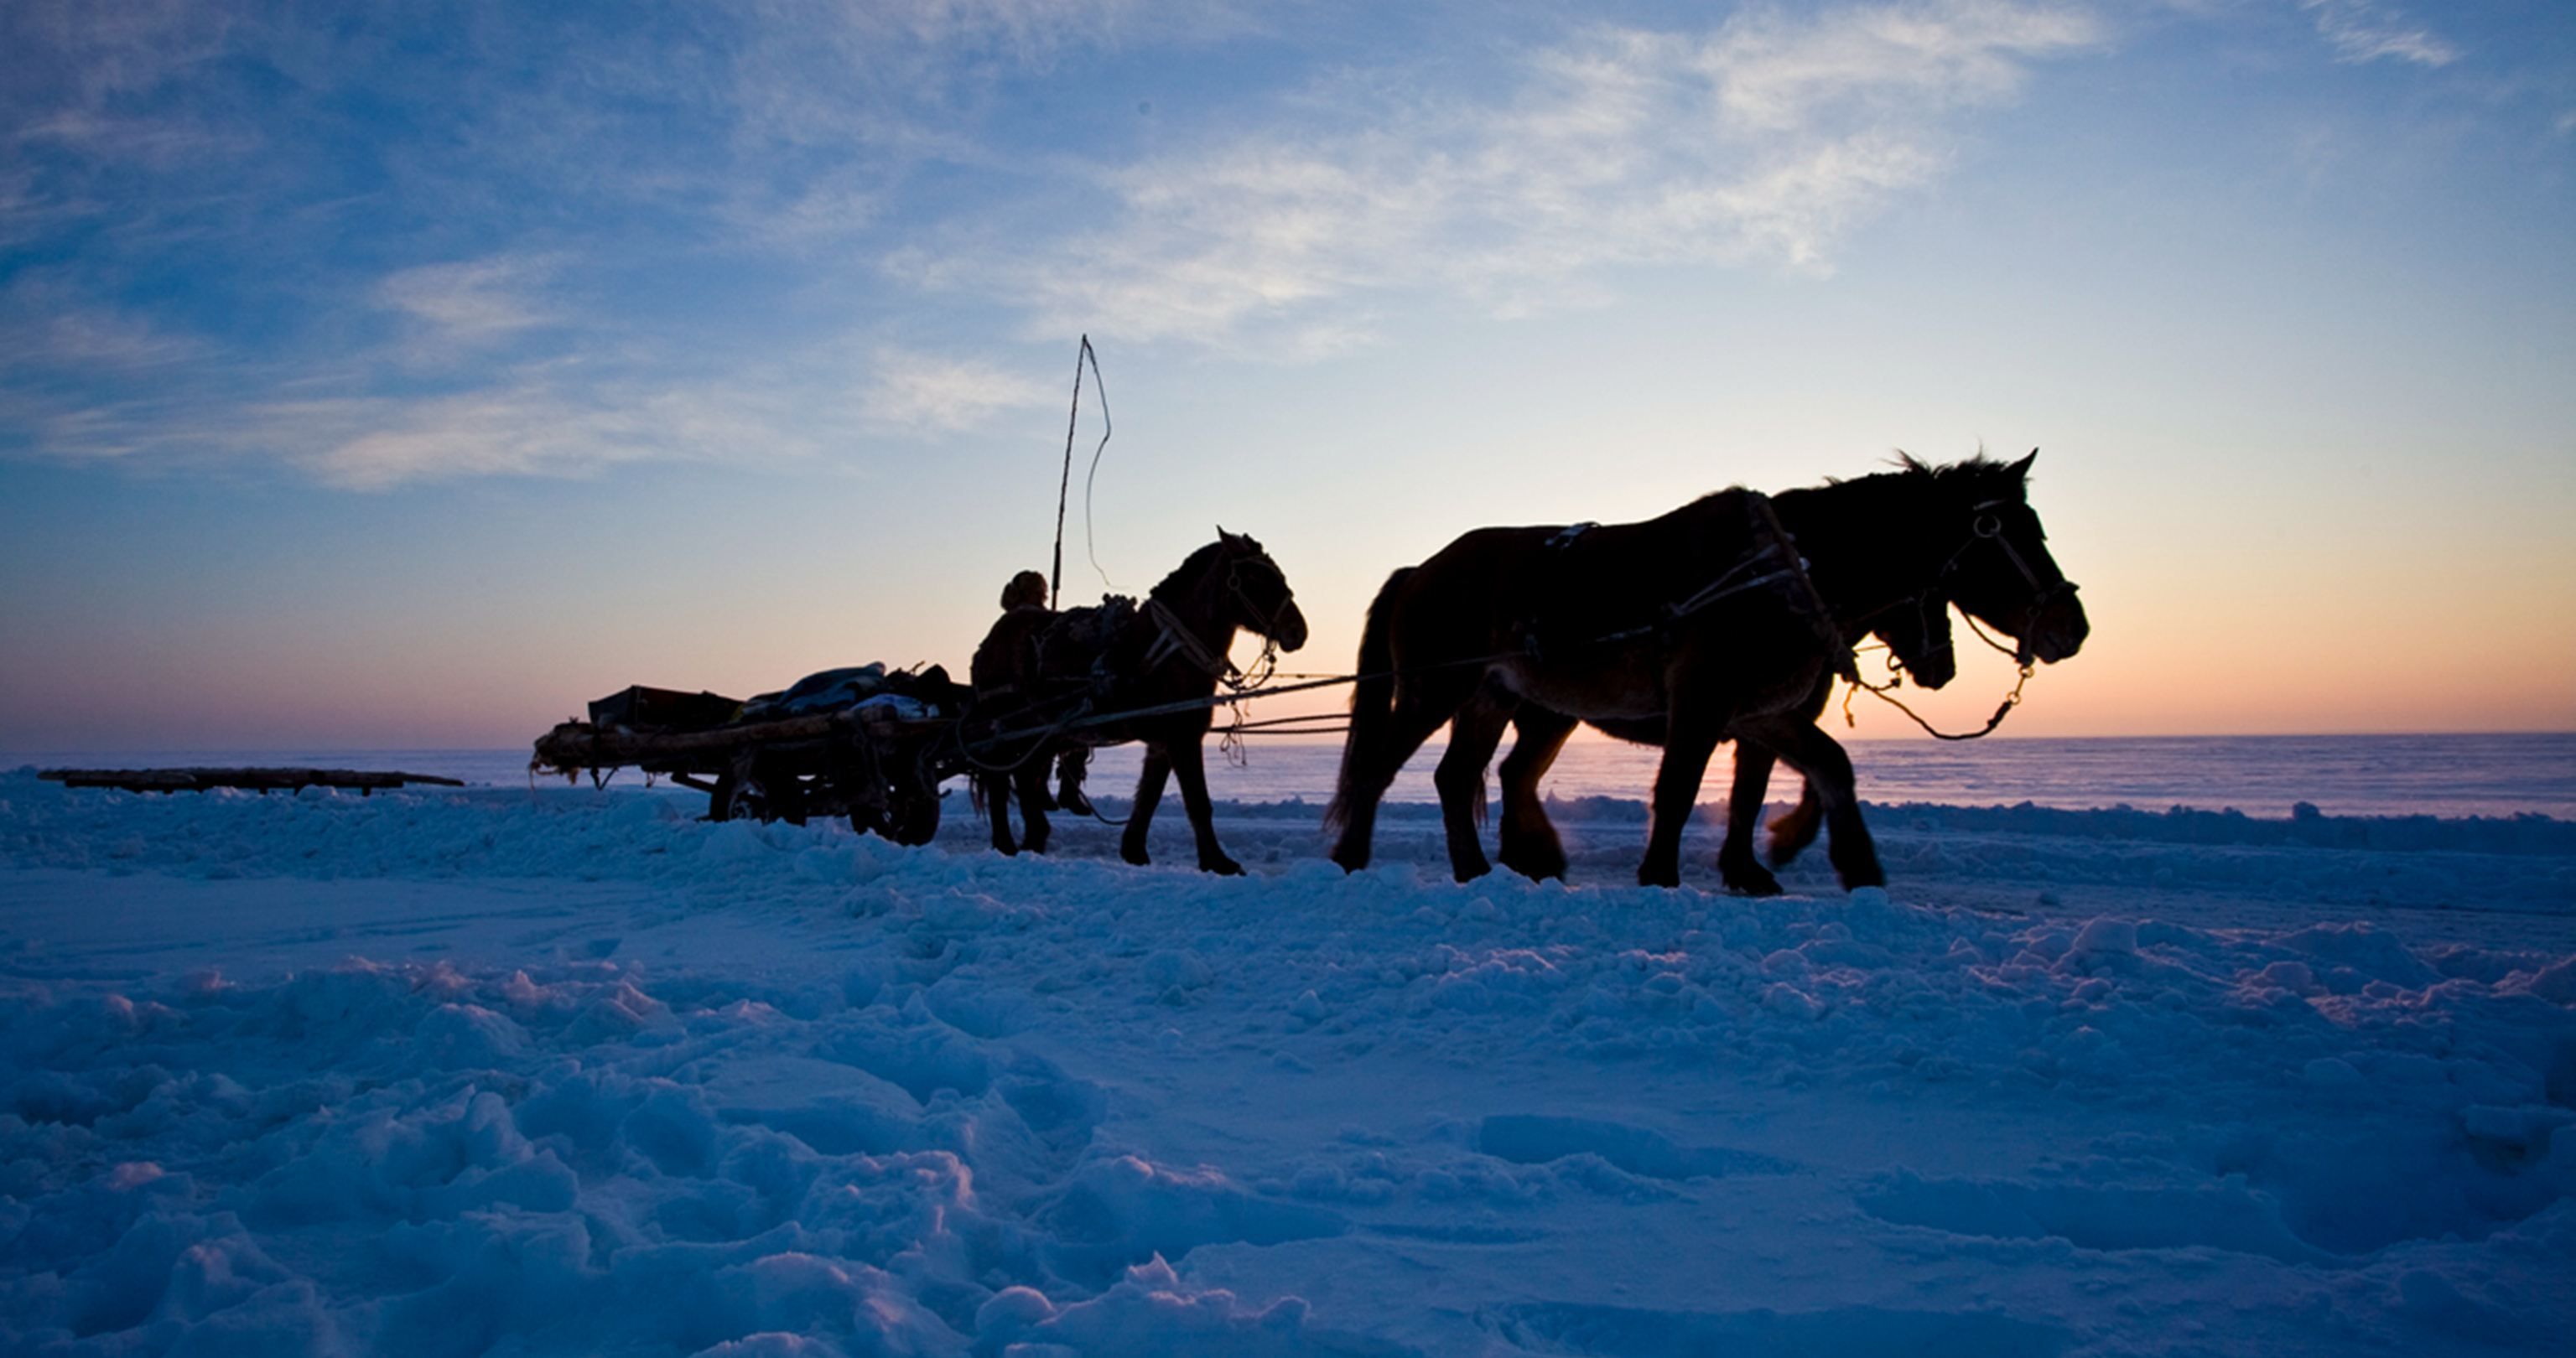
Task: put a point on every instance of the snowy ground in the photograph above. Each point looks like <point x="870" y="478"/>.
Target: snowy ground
<point x="486" y="1072"/>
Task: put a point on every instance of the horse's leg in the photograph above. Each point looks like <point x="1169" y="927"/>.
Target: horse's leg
<point x="1149" y="794"/>
<point x="996" y="790"/>
<point x="1796" y="828"/>
<point x="1189" y="767"/>
<point x="1035" y="831"/>
<point x="1474" y="731"/>
<point x="1828" y="771"/>
<point x="1069" y="770"/>
<point x="1691" y="735"/>
<point x="1371" y="761"/>
<point x="1736" y="863"/>
<point x="1529" y="843"/>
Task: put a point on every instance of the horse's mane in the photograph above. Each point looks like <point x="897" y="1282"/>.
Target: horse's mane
<point x="1188" y="573"/>
<point x="1909" y="469"/>
<point x="1975" y="467"/>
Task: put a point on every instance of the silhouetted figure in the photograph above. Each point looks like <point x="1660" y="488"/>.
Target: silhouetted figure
<point x="1055" y="683"/>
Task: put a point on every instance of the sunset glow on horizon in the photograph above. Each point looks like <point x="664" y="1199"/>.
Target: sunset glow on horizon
<point x="399" y="377"/>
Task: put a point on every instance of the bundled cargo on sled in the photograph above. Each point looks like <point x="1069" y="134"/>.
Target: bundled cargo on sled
<point x="864" y="742"/>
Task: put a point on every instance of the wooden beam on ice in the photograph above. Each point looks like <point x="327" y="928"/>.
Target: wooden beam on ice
<point x="263" y="780"/>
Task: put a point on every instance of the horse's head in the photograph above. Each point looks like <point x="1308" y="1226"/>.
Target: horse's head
<point x="1254" y="592"/>
<point x="2000" y="572"/>
<point x="1918" y="631"/>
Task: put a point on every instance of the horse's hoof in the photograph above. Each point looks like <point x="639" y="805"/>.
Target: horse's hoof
<point x="1222" y="867"/>
<point x="1763" y="885"/>
<point x="1537" y="868"/>
<point x="1668" y="877"/>
<point x="1136" y="857"/>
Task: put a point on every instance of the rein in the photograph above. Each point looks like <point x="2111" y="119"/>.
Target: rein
<point x="1886" y="693"/>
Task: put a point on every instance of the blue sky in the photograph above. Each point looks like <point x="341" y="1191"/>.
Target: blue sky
<point x="382" y="375"/>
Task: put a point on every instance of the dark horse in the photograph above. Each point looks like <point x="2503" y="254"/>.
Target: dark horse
<point x="1047" y="681"/>
<point x="1719" y="620"/>
<point x="1918" y="637"/>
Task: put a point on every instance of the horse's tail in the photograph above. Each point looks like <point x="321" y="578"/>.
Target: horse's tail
<point x="1372" y="701"/>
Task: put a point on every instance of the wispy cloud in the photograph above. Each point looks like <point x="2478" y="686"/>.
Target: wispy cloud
<point x="2360" y="30"/>
<point x="469" y="304"/>
<point x="920" y="391"/>
<point x="46" y="326"/>
<point x="543" y="420"/>
<point x="532" y="429"/>
<point x="553" y="418"/>
<point x="1767" y="138"/>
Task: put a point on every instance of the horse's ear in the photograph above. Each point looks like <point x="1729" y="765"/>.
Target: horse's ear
<point x="2021" y="469"/>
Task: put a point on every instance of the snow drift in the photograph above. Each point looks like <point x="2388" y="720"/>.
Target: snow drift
<point x="464" y="1073"/>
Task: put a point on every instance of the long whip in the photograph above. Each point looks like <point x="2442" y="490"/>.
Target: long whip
<point x="1064" y="488"/>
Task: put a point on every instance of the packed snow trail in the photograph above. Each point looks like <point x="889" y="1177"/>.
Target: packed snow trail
<point x="462" y="1073"/>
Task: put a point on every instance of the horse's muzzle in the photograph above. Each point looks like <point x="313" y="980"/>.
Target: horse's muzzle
<point x="1292" y="628"/>
<point x="2060" y="628"/>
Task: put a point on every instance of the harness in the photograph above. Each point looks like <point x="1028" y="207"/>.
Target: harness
<point x="1772" y="542"/>
<point x="1173" y="637"/>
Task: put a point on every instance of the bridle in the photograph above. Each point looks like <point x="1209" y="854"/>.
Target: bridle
<point x="1988" y="526"/>
<point x="1925" y="611"/>
<point x="1176" y="638"/>
<point x="1263" y="620"/>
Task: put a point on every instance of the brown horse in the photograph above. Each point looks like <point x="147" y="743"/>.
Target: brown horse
<point x="1046" y="682"/>
<point x="1721" y="619"/>
<point x="1918" y="637"/>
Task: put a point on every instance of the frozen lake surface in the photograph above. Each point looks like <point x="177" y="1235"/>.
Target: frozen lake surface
<point x="2450" y="775"/>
